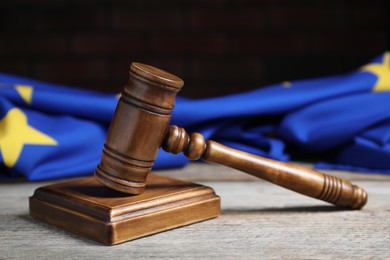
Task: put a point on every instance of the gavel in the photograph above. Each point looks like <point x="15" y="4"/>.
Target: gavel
<point x="140" y="127"/>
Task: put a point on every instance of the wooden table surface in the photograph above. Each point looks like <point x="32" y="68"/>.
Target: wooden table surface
<point x="259" y="221"/>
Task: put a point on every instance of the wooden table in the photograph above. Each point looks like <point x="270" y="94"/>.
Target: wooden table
<point x="259" y="220"/>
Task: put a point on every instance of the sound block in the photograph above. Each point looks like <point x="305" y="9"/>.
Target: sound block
<point x="88" y="208"/>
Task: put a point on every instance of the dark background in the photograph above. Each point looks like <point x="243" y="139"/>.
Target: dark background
<point x="217" y="46"/>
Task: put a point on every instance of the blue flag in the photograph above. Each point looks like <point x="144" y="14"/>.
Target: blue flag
<point x="49" y="131"/>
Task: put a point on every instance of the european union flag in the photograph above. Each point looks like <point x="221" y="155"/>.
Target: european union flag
<point x="49" y="131"/>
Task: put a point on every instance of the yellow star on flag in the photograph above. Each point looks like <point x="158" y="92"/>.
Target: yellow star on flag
<point x="382" y="71"/>
<point x="15" y="133"/>
<point x="25" y="92"/>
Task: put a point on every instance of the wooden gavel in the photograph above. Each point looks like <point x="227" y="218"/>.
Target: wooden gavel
<point x="140" y="126"/>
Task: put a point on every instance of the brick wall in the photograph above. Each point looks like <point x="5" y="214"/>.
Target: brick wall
<point x="217" y="46"/>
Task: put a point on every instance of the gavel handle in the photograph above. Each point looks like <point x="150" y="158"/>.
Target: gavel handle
<point x="299" y="179"/>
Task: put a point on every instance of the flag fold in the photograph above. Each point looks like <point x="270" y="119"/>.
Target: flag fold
<point x="49" y="131"/>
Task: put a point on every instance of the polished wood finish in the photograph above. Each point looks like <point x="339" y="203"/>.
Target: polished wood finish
<point x="140" y="127"/>
<point x="88" y="208"/>
<point x="302" y="180"/>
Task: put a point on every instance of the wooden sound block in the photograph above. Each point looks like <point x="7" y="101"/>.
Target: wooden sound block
<point x="88" y="208"/>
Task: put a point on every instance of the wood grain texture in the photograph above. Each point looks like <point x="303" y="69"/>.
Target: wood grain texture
<point x="88" y="208"/>
<point x="258" y="220"/>
<point x="138" y="128"/>
<point x="296" y="178"/>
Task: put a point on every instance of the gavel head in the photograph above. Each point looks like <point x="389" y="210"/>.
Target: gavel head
<point x="138" y="128"/>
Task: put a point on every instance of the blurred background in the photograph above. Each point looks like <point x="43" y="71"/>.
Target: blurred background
<point x="218" y="47"/>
